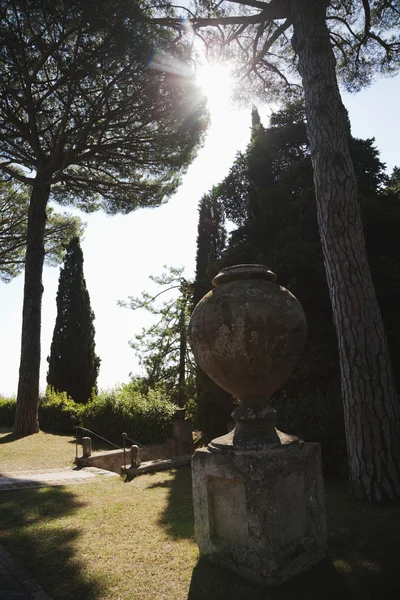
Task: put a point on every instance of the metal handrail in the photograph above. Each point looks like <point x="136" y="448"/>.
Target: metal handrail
<point x="93" y="433"/>
<point x="124" y="439"/>
<point x="131" y="440"/>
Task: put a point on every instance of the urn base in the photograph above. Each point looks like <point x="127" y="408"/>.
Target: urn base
<point x="260" y="514"/>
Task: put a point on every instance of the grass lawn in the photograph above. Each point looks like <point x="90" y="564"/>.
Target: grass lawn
<point x="111" y="540"/>
<point x="39" y="451"/>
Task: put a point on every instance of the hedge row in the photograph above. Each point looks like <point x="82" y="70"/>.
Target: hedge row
<point x="144" y="418"/>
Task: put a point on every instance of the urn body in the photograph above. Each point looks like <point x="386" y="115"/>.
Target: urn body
<point x="248" y="332"/>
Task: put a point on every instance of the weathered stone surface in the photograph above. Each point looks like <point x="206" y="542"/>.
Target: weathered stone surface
<point x="86" y="447"/>
<point x="248" y="333"/>
<point x="260" y="514"/>
<point x="112" y="460"/>
<point x="136" y="461"/>
<point x="182" y="432"/>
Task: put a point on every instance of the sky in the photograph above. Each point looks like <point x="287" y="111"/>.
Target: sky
<point x="122" y="251"/>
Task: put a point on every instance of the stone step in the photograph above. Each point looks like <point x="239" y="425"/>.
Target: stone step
<point x="151" y="466"/>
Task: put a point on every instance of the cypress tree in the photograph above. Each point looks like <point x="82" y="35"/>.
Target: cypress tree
<point x="214" y="405"/>
<point x="73" y="363"/>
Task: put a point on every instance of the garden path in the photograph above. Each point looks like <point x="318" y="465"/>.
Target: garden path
<point x="50" y="477"/>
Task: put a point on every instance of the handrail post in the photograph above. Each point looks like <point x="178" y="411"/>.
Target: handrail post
<point x="124" y="447"/>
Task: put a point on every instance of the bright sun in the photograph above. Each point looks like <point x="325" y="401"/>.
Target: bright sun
<point x="216" y="82"/>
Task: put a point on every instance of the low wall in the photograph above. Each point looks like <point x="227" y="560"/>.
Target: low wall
<point x="113" y="460"/>
<point x="181" y="444"/>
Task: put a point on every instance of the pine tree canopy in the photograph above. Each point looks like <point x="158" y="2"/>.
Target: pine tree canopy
<point x="89" y="102"/>
<point x="257" y="35"/>
<point x="14" y="208"/>
<point x="97" y="109"/>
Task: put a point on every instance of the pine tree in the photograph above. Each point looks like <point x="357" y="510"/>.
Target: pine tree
<point x="162" y="348"/>
<point x="73" y="363"/>
<point x="96" y="110"/>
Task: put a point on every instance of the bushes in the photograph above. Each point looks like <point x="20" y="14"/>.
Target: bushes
<point x="58" y="413"/>
<point x="316" y="416"/>
<point x="7" y="411"/>
<point x="145" y="418"/>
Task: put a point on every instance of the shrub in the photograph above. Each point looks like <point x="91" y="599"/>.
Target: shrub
<point x="7" y="411"/>
<point x="192" y="413"/>
<point x="316" y="416"/>
<point x="58" y="413"/>
<point x="144" y="418"/>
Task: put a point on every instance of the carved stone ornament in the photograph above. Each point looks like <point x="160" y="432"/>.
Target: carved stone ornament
<point x="247" y="335"/>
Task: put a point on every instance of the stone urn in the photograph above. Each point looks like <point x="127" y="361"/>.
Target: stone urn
<point x="247" y="335"/>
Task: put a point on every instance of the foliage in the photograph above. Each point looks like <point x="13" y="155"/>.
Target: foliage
<point x="316" y="416"/>
<point x="162" y="348"/>
<point x="320" y="41"/>
<point x="211" y="240"/>
<point x="277" y="225"/>
<point x="7" y="411"/>
<point x="58" y="413"/>
<point x="144" y="418"/>
<point x="14" y="207"/>
<point x="97" y="132"/>
<point x="257" y="38"/>
<point x="73" y="363"/>
<point x="214" y="404"/>
<point x="103" y="112"/>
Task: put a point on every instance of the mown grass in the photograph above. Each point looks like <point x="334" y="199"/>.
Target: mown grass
<point x="111" y="540"/>
<point x="39" y="451"/>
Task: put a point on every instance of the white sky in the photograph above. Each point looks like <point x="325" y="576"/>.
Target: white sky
<point x="121" y="252"/>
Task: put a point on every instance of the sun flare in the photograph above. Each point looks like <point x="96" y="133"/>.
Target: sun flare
<point x="216" y="82"/>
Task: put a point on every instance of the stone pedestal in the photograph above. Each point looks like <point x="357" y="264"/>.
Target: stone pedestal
<point x="86" y="447"/>
<point x="260" y="514"/>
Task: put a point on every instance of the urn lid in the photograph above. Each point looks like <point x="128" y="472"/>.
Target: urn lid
<point x="245" y="271"/>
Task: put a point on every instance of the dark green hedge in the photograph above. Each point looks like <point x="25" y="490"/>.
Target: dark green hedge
<point x="7" y="411"/>
<point x="145" y="418"/>
<point x="316" y="416"/>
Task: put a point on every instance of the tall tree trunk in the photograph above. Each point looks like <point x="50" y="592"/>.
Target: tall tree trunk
<point x="371" y="406"/>
<point x="26" y="417"/>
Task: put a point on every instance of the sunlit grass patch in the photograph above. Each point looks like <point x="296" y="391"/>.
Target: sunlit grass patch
<point x="38" y="451"/>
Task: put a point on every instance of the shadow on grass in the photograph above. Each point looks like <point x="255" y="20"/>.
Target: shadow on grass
<point x="177" y="518"/>
<point x="31" y="530"/>
<point x="9" y="437"/>
<point x="363" y="559"/>
<point x="214" y="583"/>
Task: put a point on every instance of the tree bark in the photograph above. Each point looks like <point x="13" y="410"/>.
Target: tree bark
<point x="371" y="406"/>
<point x="26" y="417"/>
